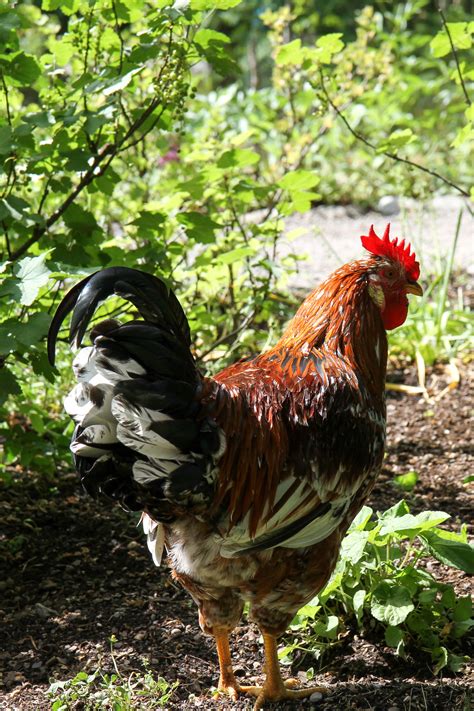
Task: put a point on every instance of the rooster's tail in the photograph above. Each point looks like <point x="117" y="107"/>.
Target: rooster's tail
<point x="141" y="436"/>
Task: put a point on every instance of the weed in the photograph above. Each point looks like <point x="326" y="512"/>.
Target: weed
<point x="100" y="690"/>
<point x="380" y="581"/>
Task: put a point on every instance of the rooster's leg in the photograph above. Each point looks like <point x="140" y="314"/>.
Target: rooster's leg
<point x="227" y="681"/>
<point x="275" y="688"/>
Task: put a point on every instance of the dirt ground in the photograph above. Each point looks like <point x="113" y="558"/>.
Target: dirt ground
<point x="75" y="572"/>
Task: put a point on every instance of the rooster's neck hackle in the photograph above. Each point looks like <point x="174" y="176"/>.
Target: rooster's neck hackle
<point x="340" y="316"/>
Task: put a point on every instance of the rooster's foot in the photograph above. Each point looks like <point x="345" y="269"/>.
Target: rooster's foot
<point x="230" y="686"/>
<point x="285" y="692"/>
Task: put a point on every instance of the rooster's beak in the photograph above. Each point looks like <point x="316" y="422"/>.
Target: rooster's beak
<point x="414" y="288"/>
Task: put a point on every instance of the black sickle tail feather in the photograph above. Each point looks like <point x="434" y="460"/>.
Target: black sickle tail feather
<point x="156" y="303"/>
<point x="141" y="437"/>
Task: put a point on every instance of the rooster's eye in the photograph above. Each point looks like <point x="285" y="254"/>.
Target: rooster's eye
<point x="389" y="273"/>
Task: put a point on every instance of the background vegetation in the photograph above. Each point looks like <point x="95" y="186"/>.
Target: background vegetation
<point x="178" y="137"/>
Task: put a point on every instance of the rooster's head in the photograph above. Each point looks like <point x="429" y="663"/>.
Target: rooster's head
<point x="393" y="274"/>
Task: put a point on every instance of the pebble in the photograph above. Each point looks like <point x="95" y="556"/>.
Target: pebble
<point x="388" y="205"/>
<point x="317" y="696"/>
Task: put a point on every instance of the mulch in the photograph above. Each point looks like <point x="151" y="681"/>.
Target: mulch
<point x="74" y="572"/>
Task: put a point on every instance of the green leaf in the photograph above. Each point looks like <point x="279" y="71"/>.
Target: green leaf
<point x="362" y="518"/>
<point x="328" y="45"/>
<point x="213" y="4"/>
<point x="454" y="553"/>
<point x="291" y="53"/>
<point x="31" y="274"/>
<point x="353" y="546"/>
<point x="358" y="603"/>
<point x="8" y="334"/>
<point x="115" y="85"/>
<point x="421" y="522"/>
<point x="469" y="113"/>
<point x="205" y="37"/>
<point x="407" y="481"/>
<point x="34" y="330"/>
<point x="149" y="220"/>
<point x="463" y="609"/>
<point x="235" y="255"/>
<point x="18" y="210"/>
<point x="464" y="135"/>
<point x="397" y="139"/>
<point x="391" y="603"/>
<point x="440" y="45"/>
<point x="240" y="157"/>
<point x="461" y="36"/>
<point x="8" y="385"/>
<point x="6" y="143"/>
<point x="399" y="509"/>
<point x="22" y="68"/>
<point x="327" y="628"/>
<point x="393" y="636"/>
<point x="297" y="180"/>
<point x="198" y="226"/>
<point x="62" y="49"/>
<point x="76" y="217"/>
<point x="68" y="7"/>
<point x="439" y="655"/>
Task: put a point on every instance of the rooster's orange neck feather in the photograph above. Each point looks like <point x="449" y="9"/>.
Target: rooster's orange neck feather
<point x="339" y="316"/>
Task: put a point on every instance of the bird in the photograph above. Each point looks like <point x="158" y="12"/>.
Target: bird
<point x="248" y="480"/>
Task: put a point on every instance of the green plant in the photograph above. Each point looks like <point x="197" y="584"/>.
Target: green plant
<point x="380" y="581"/>
<point x="439" y="327"/>
<point x="99" y="690"/>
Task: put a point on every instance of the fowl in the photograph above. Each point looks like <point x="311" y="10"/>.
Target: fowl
<point x="248" y="479"/>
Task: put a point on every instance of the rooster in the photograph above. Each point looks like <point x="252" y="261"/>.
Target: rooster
<point x="250" y="479"/>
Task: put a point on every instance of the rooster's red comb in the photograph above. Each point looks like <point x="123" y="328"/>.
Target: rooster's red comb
<point x="386" y="247"/>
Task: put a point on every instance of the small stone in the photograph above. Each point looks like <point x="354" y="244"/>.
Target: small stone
<point x="44" y="612"/>
<point x="317" y="696"/>
<point x="393" y="708"/>
<point x="388" y="205"/>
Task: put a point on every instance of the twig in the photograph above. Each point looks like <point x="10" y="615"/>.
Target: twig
<point x="90" y="142"/>
<point x="393" y="156"/>
<point x="7" y="240"/>
<point x="228" y="336"/>
<point x="119" y="33"/>
<point x="7" y="102"/>
<point x="455" y="55"/>
<point x="11" y="172"/>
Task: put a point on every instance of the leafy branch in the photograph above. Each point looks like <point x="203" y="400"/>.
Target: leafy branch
<point x="100" y="164"/>
<point x="388" y="154"/>
<point x="455" y="55"/>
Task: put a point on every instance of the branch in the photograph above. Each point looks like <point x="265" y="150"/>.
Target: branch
<point x="101" y="162"/>
<point x="455" y="54"/>
<point x="393" y="156"/>
<point x="109" y="152"/>
<point x="228" y="336"/>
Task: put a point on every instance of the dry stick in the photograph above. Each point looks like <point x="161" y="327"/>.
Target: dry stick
<point x="393" y="156"/>
<point x="455" y="55"/>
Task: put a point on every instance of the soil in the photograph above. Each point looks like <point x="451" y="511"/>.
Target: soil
<point x="76" y="572"/>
